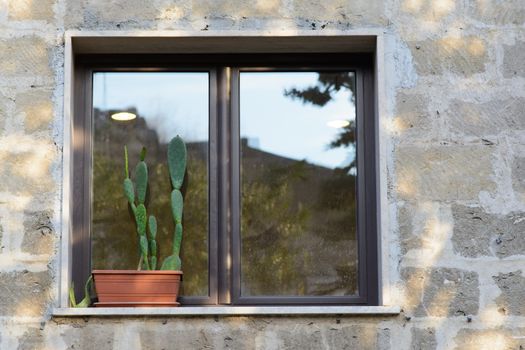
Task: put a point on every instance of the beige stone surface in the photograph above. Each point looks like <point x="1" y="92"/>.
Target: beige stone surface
<point x="486" y="339"/>
<point x="24" y="56"/>
<point x="443" y="172"/>
<point x="512" y="287"/>
<point x="26" y="171"/>
<point x="413" y="120"/>
<point x="441" y="292"/>
<point x="453" y="55"/>
<point x="24" y="293"/>
<point x="488" y="118"/>
<point x="39" y="233"/>
<point x="36" y="107"/>
<point x="371" y="12"/>
<point x="20" y="10"/>
<point x="498" y="12"/>
<point x="477" y="233"/>
<point x="514" y="60"/>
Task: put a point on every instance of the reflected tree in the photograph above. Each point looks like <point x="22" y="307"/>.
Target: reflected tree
<point x="324" y="91"/>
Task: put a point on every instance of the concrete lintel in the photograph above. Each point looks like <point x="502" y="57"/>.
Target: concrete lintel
<point x="230" y="311"/>
<point x="141" y="42"/>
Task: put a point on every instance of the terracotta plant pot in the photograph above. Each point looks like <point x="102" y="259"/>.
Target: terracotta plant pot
<point x="121" y="288"/>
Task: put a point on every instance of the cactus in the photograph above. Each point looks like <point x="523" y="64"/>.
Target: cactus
<point x="152" y="225"/>
<point x="147" y="248"/>
<point x="147" y="226"/>
<point x="177" y="169"/>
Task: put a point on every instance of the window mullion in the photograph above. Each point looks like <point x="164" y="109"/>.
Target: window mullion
<point x="225" y="186"/>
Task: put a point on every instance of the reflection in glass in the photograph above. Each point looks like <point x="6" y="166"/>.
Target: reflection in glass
<point x="298" y="174"/>
<point x="165" y="105"/>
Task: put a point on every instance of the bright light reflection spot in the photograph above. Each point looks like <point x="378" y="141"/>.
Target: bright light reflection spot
<point x="337" y="124"/>
<point x="123" y="116"/>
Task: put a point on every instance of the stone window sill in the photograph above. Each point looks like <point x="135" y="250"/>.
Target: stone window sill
<point x="230" y="311"/>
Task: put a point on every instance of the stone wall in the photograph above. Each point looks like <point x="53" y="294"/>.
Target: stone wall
<point x="455" y="140"/>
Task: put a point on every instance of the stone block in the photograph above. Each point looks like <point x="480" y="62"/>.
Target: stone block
<point x="38" y="233"/>
<point x="423" y="339"/>
<point x="90" y="336"/>
<point x="235" y="9"/>
<point x="514" y="59"/>
<point x="32" y="339"/>
<point x="428" y="11"/>
<point x="361" y="11"/>
<point x="24" y="56"/>
<point x="37" y="108"/>
<point x="477" y="233"/>
<point x="422" y="226"/>
<point x="5" y="108"/>
<point x="489" y="118"/>
<point x="441" y="292"/>
<point x="412" y="118"/>
<point x="490" y="339"/>
<point x="512" y="286"/>
<point x="26" y="10"/>
<point x="499" y="12"/>
<point x="464" y="56"/>
<point x="354" y="337"/>
<point x="443" y="172"/>
<point x="29" y="169"/>
<point x="408" y="239"/>
<point x="518" y="177"/>
<point x="123" y="13"/>
<point x="163" y="337"/>
<point x="24" y="293"/>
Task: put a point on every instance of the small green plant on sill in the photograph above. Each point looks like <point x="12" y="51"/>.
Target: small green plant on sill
<point x="148" y="247"/>
<point x="87" y="295"/>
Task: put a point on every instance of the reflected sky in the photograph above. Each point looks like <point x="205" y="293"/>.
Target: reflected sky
<point x="172" y="103"/>
<point x="286" y="127"/>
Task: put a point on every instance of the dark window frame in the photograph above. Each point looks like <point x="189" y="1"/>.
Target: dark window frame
<point x="224" y="164"/>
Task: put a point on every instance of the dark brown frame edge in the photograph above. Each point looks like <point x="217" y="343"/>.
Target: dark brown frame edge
<point x="222" y="283"/>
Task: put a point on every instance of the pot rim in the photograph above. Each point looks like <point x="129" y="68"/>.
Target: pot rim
<point x="137" y="272"/>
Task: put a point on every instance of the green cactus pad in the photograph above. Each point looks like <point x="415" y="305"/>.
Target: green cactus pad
<point x="176" y="205"/>
<point x="153" y="247"/>
<point x="177" y="161"/>
<point x="129" y="191"/>
<point x="177" y="239"/>
<point x="140" y="218"/>
<point x="143" y="154"/>
<point x="141" y="177"/>
<point x="152" y="223"/>
<point x="172" y="262"/>
<point x="153" y="263"/>
<point x="144" y="251"/>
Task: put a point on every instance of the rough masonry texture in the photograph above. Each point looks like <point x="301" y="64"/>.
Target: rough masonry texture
<point x="453" y="128"/>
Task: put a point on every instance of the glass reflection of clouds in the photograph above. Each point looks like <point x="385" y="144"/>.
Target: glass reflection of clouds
<point x="268" y="117"/>
<point x="170" y="102"/>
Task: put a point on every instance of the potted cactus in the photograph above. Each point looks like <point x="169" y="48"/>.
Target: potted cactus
<point x="148" y="286"/>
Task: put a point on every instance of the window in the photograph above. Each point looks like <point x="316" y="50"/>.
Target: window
<point x="280" y="197"/>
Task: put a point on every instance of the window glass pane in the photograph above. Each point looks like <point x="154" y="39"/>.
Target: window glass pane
<point x="166" y="104"/>
<point x="298" y="175"/>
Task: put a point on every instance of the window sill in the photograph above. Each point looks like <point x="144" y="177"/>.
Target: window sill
<point x="230" y="311"/>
